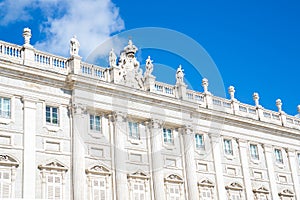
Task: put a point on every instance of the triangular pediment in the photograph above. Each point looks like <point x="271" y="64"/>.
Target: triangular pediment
<point x="234" y="186"/>
<point x="286" y="193"/>
<point x="174" y="178"/>
<point x="261" y="189"/>
<point x="53" y="165"/>
<point x="139" y="174"/>
<point x="98" y="169"/>
<point x="6" y="160"/>
<point x="206" y="183"/>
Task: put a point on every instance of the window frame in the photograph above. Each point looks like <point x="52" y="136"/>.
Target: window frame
<point x="130" y="126"/>
<point x="202" y="145"/>
<point x="254" y="156"/>
<point x="2" y="108"/>
<point x="228" y="152"/>
<point x="93" y="126"/>
<point x="278" y="160"/>
<point x="51" y="123"/>
<point x="168" y="136"/>
<point x="54" y="185"/>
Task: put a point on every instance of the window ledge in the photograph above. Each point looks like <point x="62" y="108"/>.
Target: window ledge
<point x="169" y="146"/>
<point x="135" y="141"/>
<point x="255" y="161"/>
<point x="5" y="121"/>
<point x="229" y="157"/>
<point x="280" y="165"/>
<point x="95" y="134"/>
<point x="53" y="128"/>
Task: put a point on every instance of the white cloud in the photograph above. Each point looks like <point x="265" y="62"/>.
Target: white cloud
<point x="92" y="21"/>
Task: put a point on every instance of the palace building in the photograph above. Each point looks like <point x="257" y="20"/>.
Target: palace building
<point x="75" y="130"/>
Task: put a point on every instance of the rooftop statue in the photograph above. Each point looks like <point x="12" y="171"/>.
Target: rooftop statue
<point x="112" y="58"/>
<point x="149" y="67"/>
<point x="74" y="46"/>
<point x="179" y="75"/>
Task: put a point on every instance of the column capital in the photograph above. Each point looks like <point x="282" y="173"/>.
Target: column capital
<point x="242" y="142"/>
<point x="118" y="116"/>
<point x="155" y="123"/>
<point x="79" y="108"/>
<point x="267" y="147"/>
<point x="187" y="129"/>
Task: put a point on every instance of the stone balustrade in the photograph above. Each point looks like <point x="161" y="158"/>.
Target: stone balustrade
<point x="93" y="71"/>
<point x="11" y="51"/>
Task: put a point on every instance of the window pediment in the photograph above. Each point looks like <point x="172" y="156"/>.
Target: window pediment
<point x="53" y="165"/>
<point x="98" y="169"/>
<point x="138" y="174"/>
<point x="206" y="183"/>
<point x="286" y="193"/>
<point x="7" y="160"/>
<point x="234" y="186"/>
<point x="261" y="189"/>
<point x="174" y="178"/>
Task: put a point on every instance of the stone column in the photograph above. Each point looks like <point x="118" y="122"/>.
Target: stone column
<point x="270" y="165"/>
<point x="191" y="176"/>
<point x="293" y="166"/>
<point x="79" y="129"/>
<point x="29" y="164"/>
<point x="157" y="159"/>
<point x="243" y="147"/>
<point x="122" y="192"/>
<point x="216" y="151"/>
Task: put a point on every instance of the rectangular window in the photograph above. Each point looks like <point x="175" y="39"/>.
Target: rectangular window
<point x="52" y="115"/>
<point x="174" y="192"/>
<point x="138" y="191"/>
<point x="278" y="156"/>
<point x="228" y="147"/>
<point x="5" y="107"/>
<point x="254" y="151"/>
<point x="134" y="130"/>
<point x="95" y="123"/>
<point x="54" y="186"/>
<point x="5" y="184"/>
<point x="199" y="141"/>
<point x="99" y="189"/>
<point x="168" y="136"/>
<point x="205" y="194"/>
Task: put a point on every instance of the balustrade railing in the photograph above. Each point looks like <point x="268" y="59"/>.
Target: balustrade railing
<point x="165" y="89"/>
<point x="93" y="71"/>
<point x="10" y="51"/>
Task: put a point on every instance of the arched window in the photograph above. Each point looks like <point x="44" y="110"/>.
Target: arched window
<point x="99" y="182"/>
<point x="8" y="167"/>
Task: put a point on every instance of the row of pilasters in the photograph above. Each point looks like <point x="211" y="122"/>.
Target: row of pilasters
<point x="157" y="162"/>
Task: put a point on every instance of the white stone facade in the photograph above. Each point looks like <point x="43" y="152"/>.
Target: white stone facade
<point x="73" y="130"/>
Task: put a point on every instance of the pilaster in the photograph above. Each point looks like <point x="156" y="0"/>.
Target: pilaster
<point x="270" y="165"/>
<point x="216" y="150"/>
<point x="155" y="127"/>
<point x="191" y="176"/>
<point x="293" y="166"/>
<point x="29" y="153"/>
<point x="243" y="147"/>
<point x="122" y="192"/>
<point x="79" y="129"/>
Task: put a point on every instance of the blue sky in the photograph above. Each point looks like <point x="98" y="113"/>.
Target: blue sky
<point x="255" y="44"/>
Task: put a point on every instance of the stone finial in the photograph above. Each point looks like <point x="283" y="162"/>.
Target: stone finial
<point x="205" y="85"/>
<point x="231" y="91"/>
<point x="27" y="35"/>
<point x="256" y="99"/>
<point x="74" y="46"/>
<point x="179" y="75"/>
<point x="298" y="107"/>
<point x="279" y="105"/>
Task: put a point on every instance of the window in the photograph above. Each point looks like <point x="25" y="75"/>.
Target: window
<point x="52" y="115"/>
<point x="254" y="151"/>
<point x="199" y="141"/>
<point x="235" y="196"/>
<point x="138" y="191"/>
<point x="5" y="183"/>
<point x="262" y="197"/>
<point x="174" y="192"/>
<point x="99" y="189"/>
<point x="205" y="194"/>
<point x="278" y="156"/>
<point x="4" y="107"/>
<point x="228" y="147"/>
<point x="134" y="130"/>
<point x="168" y="136"/>
<point x="54" y="186"/>
<point x="95" y="123"/>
